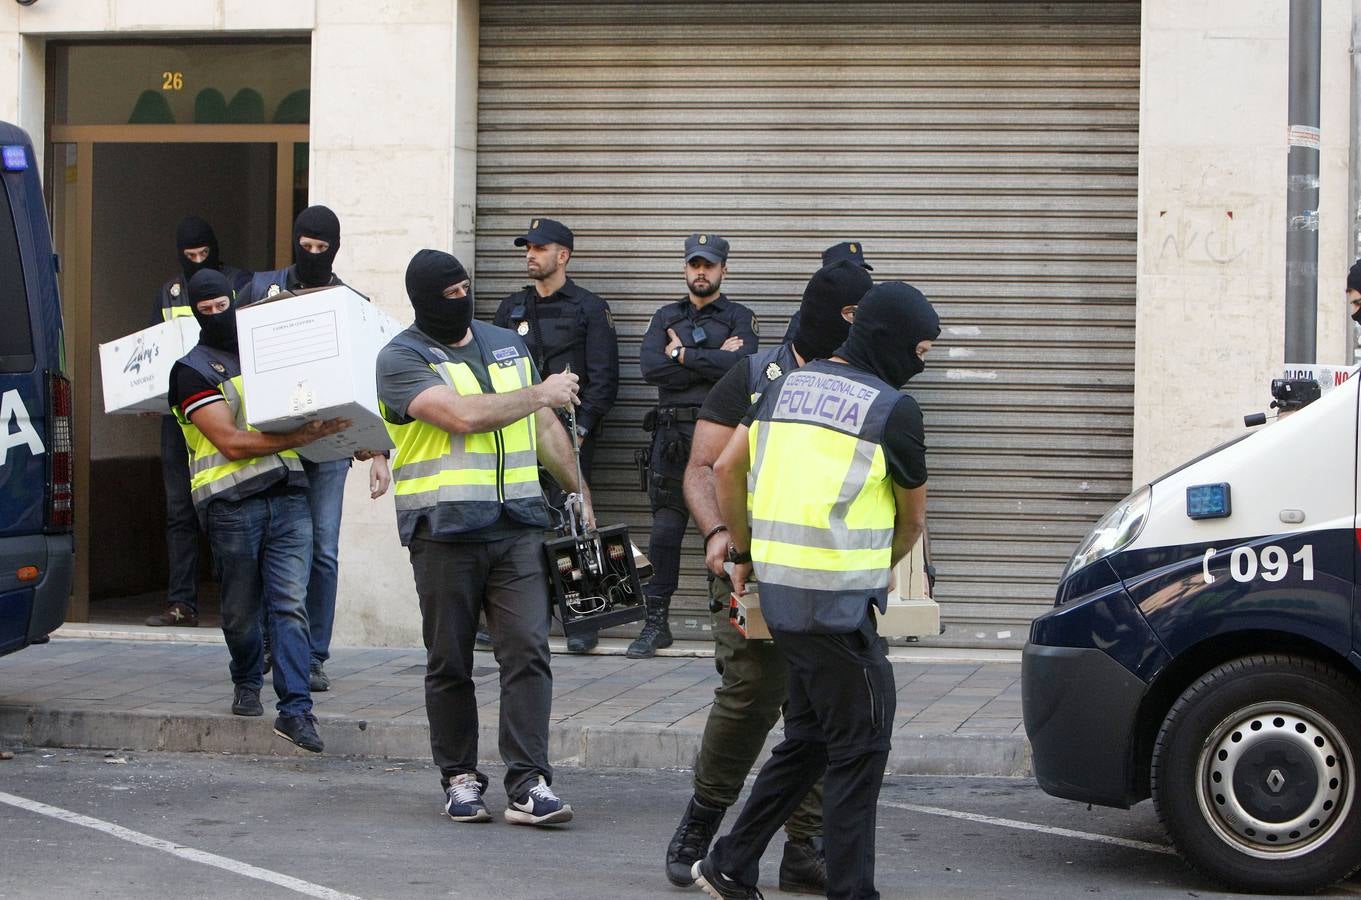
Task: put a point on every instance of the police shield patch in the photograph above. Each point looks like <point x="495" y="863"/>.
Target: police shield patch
<point x="522" y="329"/>
<point x="773" y="371"/>
<point x="175" y="289"/>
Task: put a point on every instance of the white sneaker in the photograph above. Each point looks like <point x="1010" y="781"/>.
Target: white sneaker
<point x="463" y="800"/>
<point x="538" y="806"/>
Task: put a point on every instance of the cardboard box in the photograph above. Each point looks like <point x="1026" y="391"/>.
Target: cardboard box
<point x="911" y="611"/>
<point x="312" y="355"/>
<point x="136" y="369"/>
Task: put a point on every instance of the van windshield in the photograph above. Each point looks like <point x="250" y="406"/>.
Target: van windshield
<point x="16" y="337"/>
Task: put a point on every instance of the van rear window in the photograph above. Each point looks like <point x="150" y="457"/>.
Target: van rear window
<point x="16" y="335"/>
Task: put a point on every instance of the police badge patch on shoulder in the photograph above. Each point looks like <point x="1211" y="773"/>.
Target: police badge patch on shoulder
<point x="175" y="289"/>
<point x="273" y="290"/>
<point x="773" y="371"/>
<point x="218" y="368"/>
<point x="755" y="325"/>
<point x="522" y="329"/>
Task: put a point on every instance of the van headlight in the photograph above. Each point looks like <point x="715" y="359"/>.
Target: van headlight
<point x="1115" y="531"/>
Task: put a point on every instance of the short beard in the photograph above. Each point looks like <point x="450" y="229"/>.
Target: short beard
<point x="705" y="292"/>
<point x="542" y="274"/>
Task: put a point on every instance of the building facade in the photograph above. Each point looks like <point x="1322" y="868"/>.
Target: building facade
<point x="1093" y="194"/>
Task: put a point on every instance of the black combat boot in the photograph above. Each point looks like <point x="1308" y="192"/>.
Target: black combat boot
<point x="803" y="870"/>
<point x="656" y="633"/>
<point x="691" y="841"/>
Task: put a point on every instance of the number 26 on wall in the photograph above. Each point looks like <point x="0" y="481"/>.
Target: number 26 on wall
<point x="1273" y="564"/>
<point x="172" y="81"/>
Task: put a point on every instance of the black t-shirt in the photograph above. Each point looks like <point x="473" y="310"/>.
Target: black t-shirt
<point x="904" y="441"/>
<point x="190" y="390"/>
<point x="729" y="399"/>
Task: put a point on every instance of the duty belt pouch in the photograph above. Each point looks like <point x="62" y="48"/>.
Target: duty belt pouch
<point x="643" y="460"/>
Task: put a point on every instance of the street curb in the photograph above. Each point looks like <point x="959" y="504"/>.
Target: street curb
<point x="622" y="746"/>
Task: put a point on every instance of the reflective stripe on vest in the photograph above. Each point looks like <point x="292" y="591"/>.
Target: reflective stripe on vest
<point x="461" y="482"/>
<point x="821" y="500"/>
<point x="211" y="475"/>
<point x="176" y="312"/>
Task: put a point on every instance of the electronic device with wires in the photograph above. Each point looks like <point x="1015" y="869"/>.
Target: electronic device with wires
<point x="593" y="578"/>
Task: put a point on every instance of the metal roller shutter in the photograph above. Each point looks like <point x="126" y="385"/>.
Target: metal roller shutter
<point x="985" y="152"/>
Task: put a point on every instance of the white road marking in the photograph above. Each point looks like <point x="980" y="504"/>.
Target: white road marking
<point x="189" y="853"/>
<point x="1031" y="826"/>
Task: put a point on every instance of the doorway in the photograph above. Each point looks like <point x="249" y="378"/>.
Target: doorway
<point x="118" y="193"/>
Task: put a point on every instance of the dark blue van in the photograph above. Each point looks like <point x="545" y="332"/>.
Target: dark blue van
<point x="1203" y="650"/>
<point x="36" y="551"/>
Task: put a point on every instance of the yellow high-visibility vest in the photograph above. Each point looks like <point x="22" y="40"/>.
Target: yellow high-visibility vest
<point x="821" y="498"/>
<point x="462" y="482"/>
<point x="211" y="475"/>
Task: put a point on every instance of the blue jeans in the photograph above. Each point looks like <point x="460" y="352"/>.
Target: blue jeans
<point x="325" y="494"/>
<point x="263" y="549"/>
<point x="181" y="522"/>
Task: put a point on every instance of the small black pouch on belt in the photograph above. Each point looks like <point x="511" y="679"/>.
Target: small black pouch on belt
<point x="643" y="460"/>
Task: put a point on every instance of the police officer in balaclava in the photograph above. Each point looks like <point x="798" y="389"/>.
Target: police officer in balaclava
<point x="316" y="241"/>
<point x="196" y="248"/>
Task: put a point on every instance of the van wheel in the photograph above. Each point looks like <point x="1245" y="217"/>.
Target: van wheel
<point x="1254" y="774"/>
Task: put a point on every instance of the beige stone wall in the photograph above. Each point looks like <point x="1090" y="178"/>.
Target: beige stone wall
<point x="1211" y="255"/>
<point x="394" y="153"/>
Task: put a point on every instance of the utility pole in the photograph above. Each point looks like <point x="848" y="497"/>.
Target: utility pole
<point x="1301" y="229"/>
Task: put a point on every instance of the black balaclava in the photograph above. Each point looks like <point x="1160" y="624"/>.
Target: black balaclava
<point x="890" y="321"/>
<point x="427" y="276"/>
<point x="1354" y="284"/>
<point x="194" y="232"/>
<point x="314" y="269"/>
<point x="821" y="328"/>
<point x="218" y="330"/>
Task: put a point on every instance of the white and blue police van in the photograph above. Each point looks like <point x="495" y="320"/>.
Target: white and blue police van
<point x="1203" y="650"/>
<point x="37" y="556"/>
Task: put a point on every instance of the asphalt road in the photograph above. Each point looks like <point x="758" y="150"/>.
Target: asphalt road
<point x="351" y="828"/>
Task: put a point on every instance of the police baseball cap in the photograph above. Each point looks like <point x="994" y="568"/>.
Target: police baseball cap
<point x="706" y="246"/>
<point x="546" y="231"/>
<point x="852" y="250"/>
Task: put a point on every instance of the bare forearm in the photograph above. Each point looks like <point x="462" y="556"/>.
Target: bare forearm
<point x="249" y="444"/>
<point x="700" y="496"/>
<point x="905" y="537"/>
<point x="555" y="452"/>
<point x="909" y="520"/>
<point x="445" y="408"/>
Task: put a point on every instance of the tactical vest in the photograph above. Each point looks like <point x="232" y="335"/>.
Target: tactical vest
<point x="211" y="475"/>
<point x="174" y="295"/>
<point x="821" y="499"/>
<point x="769" y="365"/>
<point x="175" y="300"/>
<point x="458" y="483"/>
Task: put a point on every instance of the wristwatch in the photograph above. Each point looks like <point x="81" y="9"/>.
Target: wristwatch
<point x="737" y="557"/>
<point x="675" y="354"/>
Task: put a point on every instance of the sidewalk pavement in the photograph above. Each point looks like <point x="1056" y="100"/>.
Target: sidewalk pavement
<point x="959" y="712"/>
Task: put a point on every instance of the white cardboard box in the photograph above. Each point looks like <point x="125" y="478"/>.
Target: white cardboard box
<point x="312" y="356"/>
<point x="136" y="368"/>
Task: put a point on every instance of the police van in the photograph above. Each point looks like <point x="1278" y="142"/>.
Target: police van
<point x="36" y="550"/>
<point x="1203" y="650"/>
